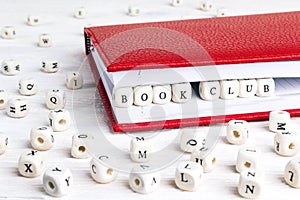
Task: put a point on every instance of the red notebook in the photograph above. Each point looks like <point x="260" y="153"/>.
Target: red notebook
<point x="239" y="47"/>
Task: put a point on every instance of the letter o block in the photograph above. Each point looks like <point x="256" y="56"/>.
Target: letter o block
<point x="143" y="95"/>
<point x="162" y="94"/>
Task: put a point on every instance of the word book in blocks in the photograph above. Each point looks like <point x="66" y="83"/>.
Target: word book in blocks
<point x="196" y="72"/>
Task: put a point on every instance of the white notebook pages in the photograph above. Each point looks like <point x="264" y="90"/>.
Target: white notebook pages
<point x="287" y="90"/>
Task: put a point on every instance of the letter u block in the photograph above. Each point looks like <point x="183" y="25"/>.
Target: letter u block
<point x="248" y="88"/>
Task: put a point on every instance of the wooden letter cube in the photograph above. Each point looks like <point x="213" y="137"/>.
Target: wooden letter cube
<point x="205" y="157"/>
<point x="133" y="11"/>
<point x="8" y="32"/>
<point x="45" y="40"/>
<point x="100" y="172"/>
<point x="50" y="66"/>
<point x="162" y="94"/>
<point x="192" y="139"/>
<point x="143" y="95"/>
<point x="28" y="86"/>
<point x="55" y="99"/>
<point x="279" y="121"/>
<point x="41" y="138"/>
<point x="287" y="143"/>
<point x="206" y="6"/>
<point x="33" y="20"/>
<point x="123" y="97"/>
<point x="250" y="184"/>
<point x="221" y="12"/>
<point x="59" y="120"/>
<point x="80" y="13"/>
<point x="265" y="87"/>
<point x="237" y="131"/>
<point x="292" y="173"/>
<point x="140" y="149"/>
<point x="248" y="88"/>
<point x="3" y="143"/>
<point x="57" y="180"/>
<point x="17" y="108"/>
<point x="3" y="99"/>
<point x="176" y="2"/>
<point x="74" y="80"/>
<point x="181" y="92"/>
<point x="209" y="90"/>
<point x="142" y="181"/>
<point x="188" y="175"/>
<point x="229" y="89"/>
<point x="10" y="67"/>
<point x="31" y="164"/>
<point x="79" y="149"/>
<point x="248" y="158"/>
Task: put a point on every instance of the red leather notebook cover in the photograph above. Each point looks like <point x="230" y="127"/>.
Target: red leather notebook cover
<point x="227" y="40"/>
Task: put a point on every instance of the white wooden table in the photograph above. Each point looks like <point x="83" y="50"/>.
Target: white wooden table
<point x="68" y="49"/>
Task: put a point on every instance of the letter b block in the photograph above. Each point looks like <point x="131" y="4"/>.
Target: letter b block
<point x="123" y="97"/>
<point x="265" y="87"/>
